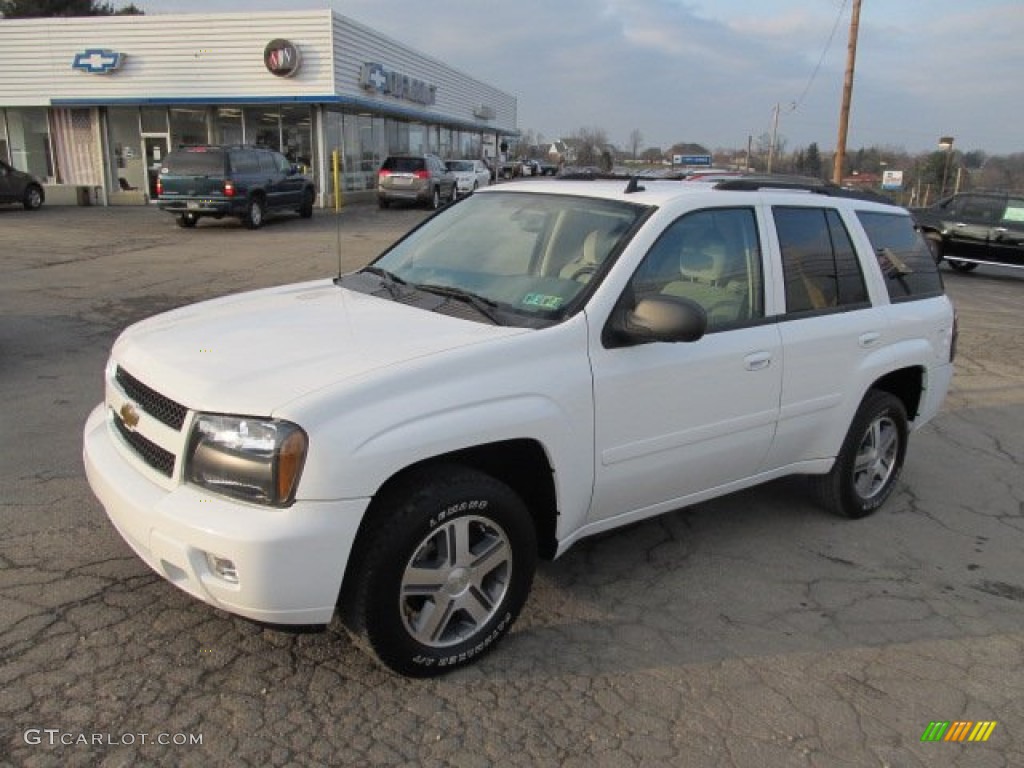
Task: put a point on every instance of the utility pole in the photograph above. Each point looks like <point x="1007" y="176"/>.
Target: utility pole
<point x="775" y="134"/>
<point x="844" y="111"/>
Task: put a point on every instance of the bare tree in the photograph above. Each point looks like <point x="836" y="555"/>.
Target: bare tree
<point x="636" y="139"/>
<point x="590" y="145"/>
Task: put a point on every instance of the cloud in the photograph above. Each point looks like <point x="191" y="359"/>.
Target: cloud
<point x="711" y="71"/>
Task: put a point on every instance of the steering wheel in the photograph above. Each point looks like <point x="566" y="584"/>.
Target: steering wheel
<point x="585" y="270"/>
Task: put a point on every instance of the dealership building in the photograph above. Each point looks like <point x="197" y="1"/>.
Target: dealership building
<point x="91" y="105"/>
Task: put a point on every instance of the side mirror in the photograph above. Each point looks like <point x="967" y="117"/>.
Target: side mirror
<point x="658" y="318"/>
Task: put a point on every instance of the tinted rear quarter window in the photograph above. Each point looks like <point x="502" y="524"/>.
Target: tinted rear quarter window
<point x="404" y="164"/>
<point x="195" y="163"/>
<point x="908" y="267"/>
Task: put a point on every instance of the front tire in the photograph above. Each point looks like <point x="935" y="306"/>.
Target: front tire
<point x="870" y="461"/>
<point x="33" y="199"/>
<point x="435" y="198"/>
<point x="306" y="209"/>
<point x="442" y="572"/>
<point x="962" y="266"/>
<point x="254" y="213"/>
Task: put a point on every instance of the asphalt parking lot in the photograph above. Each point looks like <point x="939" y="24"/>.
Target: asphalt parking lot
<point x="754" y="630"/>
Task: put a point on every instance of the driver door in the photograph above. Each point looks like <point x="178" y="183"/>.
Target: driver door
<point x="673" y="420"/>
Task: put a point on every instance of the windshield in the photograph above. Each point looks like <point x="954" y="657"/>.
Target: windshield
<point x="459" y="165"/>
<point x="528" y="255"/>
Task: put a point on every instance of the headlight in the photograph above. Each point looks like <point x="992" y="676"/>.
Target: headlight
<point x="257" y="460"/>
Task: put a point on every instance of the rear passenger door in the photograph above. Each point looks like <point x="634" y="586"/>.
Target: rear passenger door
<point x="828" y="329"/>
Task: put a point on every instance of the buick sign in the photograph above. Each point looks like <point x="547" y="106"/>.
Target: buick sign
<point x="282" y="58"/>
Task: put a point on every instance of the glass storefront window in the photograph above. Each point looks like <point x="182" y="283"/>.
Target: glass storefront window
<point x="188" y="126"/>
<point x="418" y="139"/>
<point x="5" y="153"/>
<point x="128" y="161"/>
<point x="263" y="127"/>
<point x="154" y="119"/>
<point x="227" y="126"/>
<point x="28" y="139"/>
<point x="297" y="134"/>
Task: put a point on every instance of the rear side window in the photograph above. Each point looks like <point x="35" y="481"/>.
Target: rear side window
<point x="819" y="263"/>
<point x="907" y="264"/>
<point x="244" y="162"/>
<point x="189" y="162"/>
<point x="404" y="164"/>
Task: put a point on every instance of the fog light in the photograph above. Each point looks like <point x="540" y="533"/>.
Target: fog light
<point x="222" y="567"/>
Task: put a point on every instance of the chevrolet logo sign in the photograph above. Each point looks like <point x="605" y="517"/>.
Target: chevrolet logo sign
<point x="129" y="416"/>
<point x="98" y="61"/>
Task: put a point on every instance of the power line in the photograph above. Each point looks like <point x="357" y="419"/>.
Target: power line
<point x="821" y="60"/>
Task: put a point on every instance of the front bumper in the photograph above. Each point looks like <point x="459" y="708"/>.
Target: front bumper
<point x="289" y="562"/>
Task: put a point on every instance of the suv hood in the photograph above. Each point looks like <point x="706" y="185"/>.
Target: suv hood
<point x="252" y="353"/>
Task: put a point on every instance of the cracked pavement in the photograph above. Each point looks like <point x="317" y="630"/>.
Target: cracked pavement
<point x="754" y="630"/>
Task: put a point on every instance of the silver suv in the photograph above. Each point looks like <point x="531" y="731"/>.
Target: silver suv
<point x="415" y="179"/>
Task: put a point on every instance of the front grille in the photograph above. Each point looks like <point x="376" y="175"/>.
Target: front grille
<point x="161" y="408"/>
<point x="151" y="453"/>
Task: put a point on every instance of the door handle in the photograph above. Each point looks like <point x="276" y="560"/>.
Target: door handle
<point x="757" y="361"/>
<point x="869" y="339"/>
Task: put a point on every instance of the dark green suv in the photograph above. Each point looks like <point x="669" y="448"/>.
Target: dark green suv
<point x="247" y="182"/>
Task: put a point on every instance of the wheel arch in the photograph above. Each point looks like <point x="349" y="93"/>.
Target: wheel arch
<point x="907" y="384"/>
<point x="521" y="463"/>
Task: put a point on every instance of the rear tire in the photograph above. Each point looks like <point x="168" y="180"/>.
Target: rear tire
<point x="870" y="461"/>
<point x="254" y="213"/>
<point x="435" y="198"/>
<point x="383" y="203"/>
<point x="441" y="572"/>
<point x="187" y="220"/>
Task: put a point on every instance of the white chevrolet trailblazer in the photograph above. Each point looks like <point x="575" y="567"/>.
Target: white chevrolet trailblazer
<point x="537" y="363"/>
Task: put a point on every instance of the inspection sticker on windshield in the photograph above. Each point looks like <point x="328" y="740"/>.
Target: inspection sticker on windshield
<point x="542" y="300"/>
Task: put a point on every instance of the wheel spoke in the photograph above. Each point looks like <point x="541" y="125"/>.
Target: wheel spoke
<point x="433" y="618"/>
<point x="497" y="555"/>
<point x="477" y="605"/>
<point x="423" y="581"/>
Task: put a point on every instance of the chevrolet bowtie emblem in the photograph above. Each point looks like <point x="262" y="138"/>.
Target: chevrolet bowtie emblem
<point x="129" y="416"/>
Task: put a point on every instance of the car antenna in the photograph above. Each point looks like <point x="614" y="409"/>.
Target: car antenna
<point x="633" y="186"/>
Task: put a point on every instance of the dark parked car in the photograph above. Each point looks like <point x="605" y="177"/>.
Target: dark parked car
<point x="19" y="187"/>
<point x="247" y="182"/>
<point x="415" y="179"/>
<point x="975" y="228"/>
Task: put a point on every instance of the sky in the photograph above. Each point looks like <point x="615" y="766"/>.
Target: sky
<point x="712" y="71"/>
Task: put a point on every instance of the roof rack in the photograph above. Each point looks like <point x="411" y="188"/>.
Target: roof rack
<point x="799" y="183"/>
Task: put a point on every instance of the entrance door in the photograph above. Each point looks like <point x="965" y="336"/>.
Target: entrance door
<point x="156" y="150"/>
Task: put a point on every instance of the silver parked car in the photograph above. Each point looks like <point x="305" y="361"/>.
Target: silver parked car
<point x="415" y="179"/>
<point x="470" y="175"/>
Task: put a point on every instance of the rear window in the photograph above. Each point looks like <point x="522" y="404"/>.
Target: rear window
<point x="404" y="164"/>
<point x="194" y="162"/>
<point x="908" y="266"/>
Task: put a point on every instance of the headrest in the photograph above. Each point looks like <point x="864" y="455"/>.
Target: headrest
<point x="706" y="262"/>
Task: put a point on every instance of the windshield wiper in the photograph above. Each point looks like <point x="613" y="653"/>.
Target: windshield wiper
<point x="484" y="306"/>
<point x="390" y="280"/>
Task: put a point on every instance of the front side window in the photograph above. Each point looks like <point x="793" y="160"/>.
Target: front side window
<point x="527" y="256"/>
<point x="819" y="264"/>
<point x="907" y="264"/>
<point x="712" y="257"/>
